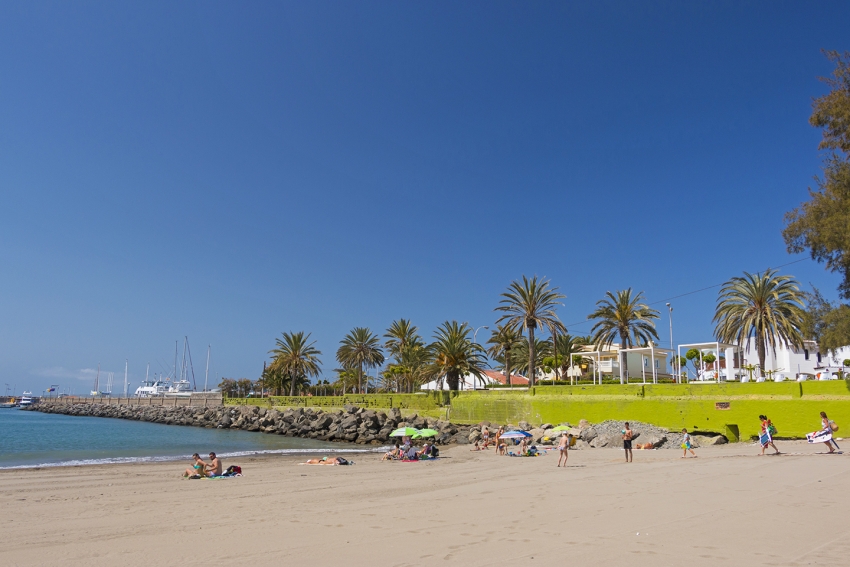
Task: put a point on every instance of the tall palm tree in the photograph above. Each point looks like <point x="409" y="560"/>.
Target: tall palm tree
<point x="360" y="348"/>
<point x="527" y="305"/>
<point x="766" y="307"/>
<point x="455" y="354"/>
<point x="296" y="358"/>
<point x="623" y="316"/>
<point x="504" y="339"/>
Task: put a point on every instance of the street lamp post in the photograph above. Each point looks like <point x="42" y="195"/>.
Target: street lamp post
<point x="675" y="360"/>
<point x="475" y="341"/>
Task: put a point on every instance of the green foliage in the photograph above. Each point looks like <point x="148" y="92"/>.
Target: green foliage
<point x="297" y="358"/>
<point x="826" y="322"/>
<point x="623" y="316"/>
<point x="504" y="341"/>
<point x="528" y="305"/>
<point x="412" y="358"/>
<point x="360" y="348"/>
<point x="455" y="354"/>
<point x="767" y="307"/>
<point x="820" y="224"/>
<point x="709" y="357"/>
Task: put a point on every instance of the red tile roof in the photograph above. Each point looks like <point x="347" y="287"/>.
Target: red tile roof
<point x="499" y="377"/>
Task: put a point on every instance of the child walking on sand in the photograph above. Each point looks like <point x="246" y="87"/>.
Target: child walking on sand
<point x="627" y="442"/>
<point x="563" y="447"/>
<point x="686" y="444"/>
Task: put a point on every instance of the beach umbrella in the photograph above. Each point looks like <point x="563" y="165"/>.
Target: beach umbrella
<point x="404" y="432"/>
<point x="515" y="435"/>
<point x="426" y="433"/>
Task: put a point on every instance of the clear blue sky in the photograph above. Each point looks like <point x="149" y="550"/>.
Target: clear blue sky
<point x="229" y="171"/>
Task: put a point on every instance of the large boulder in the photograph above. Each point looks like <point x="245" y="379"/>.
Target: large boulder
<point x="707" y="440"/>
<point x="524" y="426"/>
<point x="588" y="434"/>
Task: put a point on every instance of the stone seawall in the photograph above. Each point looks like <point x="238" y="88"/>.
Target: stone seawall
<point x="353" y="424"/>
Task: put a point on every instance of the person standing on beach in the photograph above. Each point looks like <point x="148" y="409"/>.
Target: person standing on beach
<point x="686" y="444"/>
<point x="563" y="447"/>
<point x="485" y="435"/>
<point x="767" y="432"/>
<point x="627" y="442"/>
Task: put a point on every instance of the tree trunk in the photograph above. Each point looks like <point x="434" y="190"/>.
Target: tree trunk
<point x="625" y="359"/>
<point x="291" y="385"/>
<point x="508" y="366"/>
<point x="360" y="378"/>
<point x="762" y="353"/>
<point x="557" y="367"/>
<point x="452" y="378"/>
<point x="531" y="361"/>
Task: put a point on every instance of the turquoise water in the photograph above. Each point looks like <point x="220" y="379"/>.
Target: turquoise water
<point x="29" y="439"/>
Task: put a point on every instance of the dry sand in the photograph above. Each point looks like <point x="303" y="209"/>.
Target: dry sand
<point x="727" y="507"/>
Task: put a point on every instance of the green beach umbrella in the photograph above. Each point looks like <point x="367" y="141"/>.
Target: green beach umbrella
<point x="404" y="432"/>
<point x="426" y="433"/>
<point x="561" y="428"/>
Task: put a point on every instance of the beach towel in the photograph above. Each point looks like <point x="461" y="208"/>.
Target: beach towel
<point x="821" y="436"/>
<point x="765" y="439"/>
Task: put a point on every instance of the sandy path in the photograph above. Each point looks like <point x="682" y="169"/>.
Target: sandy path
<point x="726" y="507"/>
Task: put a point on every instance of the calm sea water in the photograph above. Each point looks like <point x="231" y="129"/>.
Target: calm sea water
<point x="29" y="439"/>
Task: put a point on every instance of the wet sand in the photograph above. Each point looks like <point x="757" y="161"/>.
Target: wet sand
<point x="729" y="506"/>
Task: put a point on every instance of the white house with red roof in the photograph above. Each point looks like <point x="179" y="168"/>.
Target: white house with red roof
<point x="470" y="382"/>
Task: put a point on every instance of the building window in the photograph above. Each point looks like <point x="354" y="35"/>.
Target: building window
<point x="818" y="358"/>
<point x="806" y="353"/>
<point x="656" y="363"/>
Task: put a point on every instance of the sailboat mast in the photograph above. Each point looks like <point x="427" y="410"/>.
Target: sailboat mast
<point x="207" y="373"/>
<point x="95" y="390"/>
<point x="175" y="360"/>
<point x="183" y="362"/>
<point x="126" y="363"/>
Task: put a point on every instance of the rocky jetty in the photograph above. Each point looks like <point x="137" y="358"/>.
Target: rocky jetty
<point x="352" y="424"/>
<point x="364" y="426"/>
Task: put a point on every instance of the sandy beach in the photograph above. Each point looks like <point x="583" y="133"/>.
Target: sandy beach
<point x="729" y="506"/>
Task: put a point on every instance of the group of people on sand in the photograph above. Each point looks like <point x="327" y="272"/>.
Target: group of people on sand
<point x="407" y="451"/>
<point x="201" y="468"/>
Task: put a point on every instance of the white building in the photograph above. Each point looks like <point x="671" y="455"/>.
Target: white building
<point x="785" y="363"/>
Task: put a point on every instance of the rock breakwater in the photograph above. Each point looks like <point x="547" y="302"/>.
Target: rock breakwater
<point x="364" y="426"/>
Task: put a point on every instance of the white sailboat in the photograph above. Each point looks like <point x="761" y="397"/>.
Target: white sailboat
<point x="95" y="391"/>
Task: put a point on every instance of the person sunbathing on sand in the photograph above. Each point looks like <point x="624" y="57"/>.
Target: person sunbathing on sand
<point x="198" y="467"/>
<point x="326" y="461"/>
<point x="392" y="454"/>
<point x="214" y="467"/>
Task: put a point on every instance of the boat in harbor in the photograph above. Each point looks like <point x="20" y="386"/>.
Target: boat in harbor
<point x="26" y="400"/>
<point x="10" y="404"/>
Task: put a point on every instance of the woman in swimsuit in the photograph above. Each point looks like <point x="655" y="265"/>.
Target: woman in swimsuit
<point x="197" y="467"/>
<point x="827" y="426"/>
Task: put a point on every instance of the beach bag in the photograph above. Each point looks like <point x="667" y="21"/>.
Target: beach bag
<point x="833" y="425"/>
<point x="233" y="470"/>
<point x="771" y="429"/>
<point x="435" y="452"/>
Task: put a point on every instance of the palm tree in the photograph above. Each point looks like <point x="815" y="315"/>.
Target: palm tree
<point x="529" y="305"/>
<point x="766" y="307"/>
<point x="542" y="351"/>
<point x="401" y="335"/>
<point x="455" y="355"/>
<point x="569" y="347"/>
<point x="623" y="316"/>
<point x="504" y="339"/>
<point x="296" y="358"/>
<point x="360" y="348"/>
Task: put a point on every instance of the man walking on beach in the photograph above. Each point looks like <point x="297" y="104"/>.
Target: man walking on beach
<point x="214" y="468"/>
<point x="563" y="447"/>
<point x="627" y="442"/>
